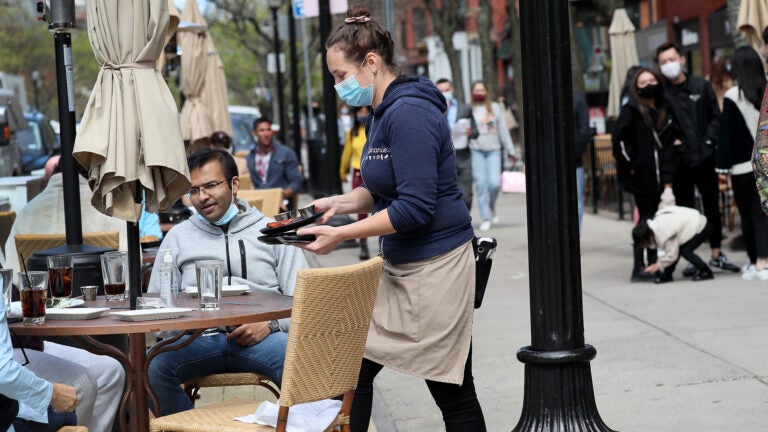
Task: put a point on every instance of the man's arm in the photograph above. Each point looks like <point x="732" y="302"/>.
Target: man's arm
<point x="713" y="115"/>
<point x="292" y="174"/>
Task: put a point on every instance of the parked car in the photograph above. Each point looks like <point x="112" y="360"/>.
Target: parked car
<point x="242" y="126"/>
<point x="38" y="142"/>
<point x="11" y="124"/>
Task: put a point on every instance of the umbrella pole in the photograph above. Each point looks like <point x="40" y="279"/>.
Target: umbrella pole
<point x="134" y="256"/>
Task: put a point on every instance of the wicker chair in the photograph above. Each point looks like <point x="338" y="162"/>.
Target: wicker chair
<point x="332" y="310"/>
<point x="28" y="244"/>
<point x="6" y="222"/>
<point x="245" y="182"/>
<point x="271" y="199"/>
<point x="257" y="202"/>
<point x="192" y="388"/>
<point x="73" y="429"/>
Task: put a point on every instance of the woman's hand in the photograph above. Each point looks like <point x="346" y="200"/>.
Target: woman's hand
<point x="326" y="205"/>
<point x="327" y="239"/>
<point x="64" y="398"/>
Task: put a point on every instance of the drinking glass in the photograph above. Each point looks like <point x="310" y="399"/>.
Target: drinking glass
<point x="209" y="280"/>
<point x="7" y="284"/>
<point x="114" y="268"/>
<point x="33" y="287"/>
<point x="60" y="275"/>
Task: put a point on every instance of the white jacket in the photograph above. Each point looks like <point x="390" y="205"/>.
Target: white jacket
<point x="673" y="226"/>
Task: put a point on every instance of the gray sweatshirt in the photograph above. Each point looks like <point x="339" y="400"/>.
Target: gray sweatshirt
<point x="269" y="268"/>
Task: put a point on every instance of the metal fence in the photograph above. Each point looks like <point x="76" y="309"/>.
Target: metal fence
<point x="601" y="184"/>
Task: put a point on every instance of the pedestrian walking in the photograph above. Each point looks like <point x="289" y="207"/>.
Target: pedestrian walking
<point x="422" y="319"/>
<point x="581" y="137"/>
<point x="694" y="103"/>
<point x="353" y="151"/>
<point x="646" y="146"/>
<point x="486" y="152"/>
<point x="738" y="124"/>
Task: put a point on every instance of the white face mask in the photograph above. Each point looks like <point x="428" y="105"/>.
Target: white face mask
<point x="672" y="70"/>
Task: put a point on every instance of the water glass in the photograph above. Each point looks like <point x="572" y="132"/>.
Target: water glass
<point x="114" y="268"/>
<point x="210" y="275"/>
<point x="33" y="287"/>
<point x="7" y="284"/>
<point x="60" y="275"/>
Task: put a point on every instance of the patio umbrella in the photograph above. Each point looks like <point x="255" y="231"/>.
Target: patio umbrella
<point x="753" y="18"/>
<point x="215" y="90"/>
<point x="172" y="26"/>
<point x="129" y="138"/>
<point x="623" y="56"/>
<point x="196" y="119"/>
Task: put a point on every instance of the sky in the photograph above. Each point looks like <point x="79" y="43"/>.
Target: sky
<point x="180" y="4"/>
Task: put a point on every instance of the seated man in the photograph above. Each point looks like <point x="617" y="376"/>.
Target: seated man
<point x="224" y="228"/>
<point x="273" y="165"/>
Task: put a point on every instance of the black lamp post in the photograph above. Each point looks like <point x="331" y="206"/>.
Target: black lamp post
<point x="558" y="379"/>
<point x="275" y="6"/>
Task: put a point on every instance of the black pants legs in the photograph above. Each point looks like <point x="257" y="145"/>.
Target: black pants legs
<point x="688" y="251"/>
<point x="754" y="223"/>
<point x="704" y="178"/>
<point x="458" y="403"/>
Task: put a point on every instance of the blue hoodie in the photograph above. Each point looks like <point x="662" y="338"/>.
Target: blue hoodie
<point x="409" y="167"/>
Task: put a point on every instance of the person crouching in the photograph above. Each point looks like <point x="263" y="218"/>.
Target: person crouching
<point x="678" y="231"/>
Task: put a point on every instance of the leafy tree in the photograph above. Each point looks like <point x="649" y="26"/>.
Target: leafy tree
<point x="447" y="18"/>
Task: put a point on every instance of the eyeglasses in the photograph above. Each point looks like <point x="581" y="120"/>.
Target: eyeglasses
<point x="195" y="190"/>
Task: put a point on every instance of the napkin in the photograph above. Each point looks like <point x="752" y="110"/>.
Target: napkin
<point x="308" y="417"/>
<point x="15" y="309"/>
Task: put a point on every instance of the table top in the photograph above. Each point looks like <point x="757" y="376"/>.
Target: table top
<point x="252" y="307"/>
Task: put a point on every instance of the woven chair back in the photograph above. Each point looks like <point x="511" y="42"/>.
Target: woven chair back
<point x="332" y="310"/>
<point x="28" y="244"/>
<point x="271" y="198"/>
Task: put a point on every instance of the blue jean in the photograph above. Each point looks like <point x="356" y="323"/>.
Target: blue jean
<point x="580" y="193"/>
<point x="209" y="355"/>
<point x="56" y="421"/>
<point x="486" y="172"/>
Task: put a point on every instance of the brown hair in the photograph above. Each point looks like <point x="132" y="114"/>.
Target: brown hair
<point x="360" y="35"/>
<point x="487" y="103"/>
<point x="644" y="107"/>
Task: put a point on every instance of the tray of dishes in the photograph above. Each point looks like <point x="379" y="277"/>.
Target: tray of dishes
<point x="284" y="223"/>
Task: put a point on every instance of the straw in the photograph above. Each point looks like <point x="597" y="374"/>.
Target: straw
<point x="24" y="267"/>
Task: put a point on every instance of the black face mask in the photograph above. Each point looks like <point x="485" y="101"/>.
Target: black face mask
<point x="649" y="91"/>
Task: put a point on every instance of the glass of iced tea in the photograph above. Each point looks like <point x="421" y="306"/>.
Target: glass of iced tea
<point x="33" y="287"/>
<point x="60" y="275"/>
<point x="114" y="268"/>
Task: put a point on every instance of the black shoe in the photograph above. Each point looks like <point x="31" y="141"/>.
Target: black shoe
<point x="663" y="277"/>
<point x="703" y="275"/>
<point x="642" y="276"/>
<point x="364" y="255"/>
<point x="723" y="263"/>
<point x="689" y="270"/>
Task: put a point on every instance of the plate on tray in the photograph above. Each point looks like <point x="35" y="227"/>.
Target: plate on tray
<point x="226" y="290"/>
<point x="67" y="303"/>
<point x="150" y="314"/>
<point x="292" y="226"/>
<point x="74" y="313"/>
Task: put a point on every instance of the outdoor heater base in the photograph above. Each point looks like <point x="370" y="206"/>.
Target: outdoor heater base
<point x="558" y="392"/>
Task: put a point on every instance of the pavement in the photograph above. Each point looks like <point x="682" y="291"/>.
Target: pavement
<point x="685" y="356"/>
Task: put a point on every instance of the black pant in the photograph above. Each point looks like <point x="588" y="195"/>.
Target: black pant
<point x="688" y="251"/>
<point x="458" y="403"/>
<point x="754" y="223"/>
<point x="464" y="175"/>
<point x="705" y="180"/>
<point x="647" y="204"/>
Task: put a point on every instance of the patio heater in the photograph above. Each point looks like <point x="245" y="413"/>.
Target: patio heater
<point x="275" y="5"/>
<point x="86" y="262"/>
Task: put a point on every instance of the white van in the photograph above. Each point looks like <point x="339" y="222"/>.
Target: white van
<point x="242" y="126"/>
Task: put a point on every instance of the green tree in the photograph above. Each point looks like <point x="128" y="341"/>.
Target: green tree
<point x="447" y="16"/>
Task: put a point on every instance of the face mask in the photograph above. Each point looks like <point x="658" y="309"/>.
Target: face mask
<point x="350" y="91"/>
<point x="344" y="111"/>
<point x="448" y="97"/>
<point x="649" y="91"/>
<point x="672" y="70"/>
<point x="477" y="97"/>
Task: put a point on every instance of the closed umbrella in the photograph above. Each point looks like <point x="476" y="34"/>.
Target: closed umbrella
<point x="623" y="57"/>
<point x="215" y="90"/>
<point x="753" y="18"/>
<point x="172" y="26"/>
<point x="129" y="138"/>
<point x="196" y="119"/>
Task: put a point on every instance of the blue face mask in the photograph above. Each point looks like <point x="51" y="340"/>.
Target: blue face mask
<point x="350" y="91"/>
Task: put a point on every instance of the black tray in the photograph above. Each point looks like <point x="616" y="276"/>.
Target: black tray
<point x="270" y="240"/>
<point x="292" y="226"/>
<point x="288" y="238"/>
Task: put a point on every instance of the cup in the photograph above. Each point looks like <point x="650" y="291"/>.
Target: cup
<point x="114" y="268"/>
<point x="89" y="292"/>
<point x="33" y="287"/>
<point x="210" y="274"/>
<point x="60" y="275"/>
<point x="7" y="284"/>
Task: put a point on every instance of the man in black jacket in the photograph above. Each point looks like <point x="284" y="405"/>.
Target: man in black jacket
<point x="695" y="106"/>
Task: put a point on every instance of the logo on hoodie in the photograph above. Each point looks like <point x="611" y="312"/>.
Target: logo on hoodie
<point x="379" y="153"/>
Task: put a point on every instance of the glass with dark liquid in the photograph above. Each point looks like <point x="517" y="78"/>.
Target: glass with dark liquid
<point x="34" y="293"/>
<point x="114" y="268"/>
<point x="60" y="275"/>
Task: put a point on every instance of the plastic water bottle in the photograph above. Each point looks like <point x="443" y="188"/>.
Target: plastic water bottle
<point x="170" y="279"/>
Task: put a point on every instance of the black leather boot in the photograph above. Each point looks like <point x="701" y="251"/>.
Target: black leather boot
<point x="638" y="266"/>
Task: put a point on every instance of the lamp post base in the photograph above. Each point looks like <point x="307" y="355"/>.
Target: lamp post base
<point x="558" y="392"/>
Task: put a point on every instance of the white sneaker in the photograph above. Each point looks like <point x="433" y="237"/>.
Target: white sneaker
<point x="762" y="274"/>
<point x="748" y="267"/>
<point x="494" y="218"/>
<point x="751" y="273"/>
<point x="485" y="225"/>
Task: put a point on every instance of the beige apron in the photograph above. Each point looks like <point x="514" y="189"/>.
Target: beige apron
<point x="422" y="319"/>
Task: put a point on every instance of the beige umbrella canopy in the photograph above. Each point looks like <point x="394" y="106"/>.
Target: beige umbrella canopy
<point x="215" y="90"/>
<point x="129" y="137"/>
<point x="172" y="26"/>
<point x="623" y="56"/>
<point x="195" y="115"/>
<point x="753" y="18"/>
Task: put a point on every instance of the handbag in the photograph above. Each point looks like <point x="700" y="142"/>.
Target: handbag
<point x="483" y="248"/>
<point x="513" y="182"/>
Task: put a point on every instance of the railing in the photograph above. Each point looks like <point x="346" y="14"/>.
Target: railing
<point x="601" y="182"/>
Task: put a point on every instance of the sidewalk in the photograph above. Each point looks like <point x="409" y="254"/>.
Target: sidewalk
<point x="680" y="356"/>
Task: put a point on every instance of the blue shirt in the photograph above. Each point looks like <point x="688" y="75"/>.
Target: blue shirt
<point x="453" y="110"/>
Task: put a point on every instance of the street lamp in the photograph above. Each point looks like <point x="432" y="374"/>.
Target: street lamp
<point x="275" y="6"/>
